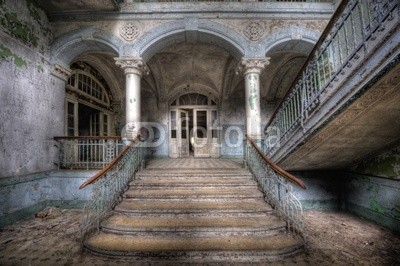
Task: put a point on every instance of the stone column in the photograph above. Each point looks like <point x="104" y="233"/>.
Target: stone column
<point x="251" y="69"/>
<point x="134" y="69"/>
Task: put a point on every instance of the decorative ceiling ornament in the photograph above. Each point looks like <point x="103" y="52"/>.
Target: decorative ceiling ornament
<point x="254" y="30"/>
<point x="129" y="31"/>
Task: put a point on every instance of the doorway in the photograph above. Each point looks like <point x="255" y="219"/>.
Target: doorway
<point x="193" y="127"/>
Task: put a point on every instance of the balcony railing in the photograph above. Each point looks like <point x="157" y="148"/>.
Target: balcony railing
<point x="87" y="152"/>
<point x="355" y="32"/>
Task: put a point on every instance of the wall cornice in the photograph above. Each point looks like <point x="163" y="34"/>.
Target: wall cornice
<point x="208" y="10"/>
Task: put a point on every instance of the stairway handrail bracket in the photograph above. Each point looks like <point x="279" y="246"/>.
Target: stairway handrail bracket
<point x="277" y="185"/>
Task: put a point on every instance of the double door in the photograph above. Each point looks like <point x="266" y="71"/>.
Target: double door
<point x="193" y="132"/>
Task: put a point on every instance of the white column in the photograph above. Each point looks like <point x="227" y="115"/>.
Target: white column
<point x="134" y="69"/>
<point x="251" y="69"/>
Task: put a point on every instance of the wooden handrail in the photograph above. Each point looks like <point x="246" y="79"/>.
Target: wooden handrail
<point x="85" y="137"/>
<point x="331" y="24"/>
<point x="276" y="168"/>
<point x="107" y="168"/>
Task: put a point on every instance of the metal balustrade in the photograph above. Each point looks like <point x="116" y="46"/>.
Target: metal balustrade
<point x="87" y="152"/>
<point x="276" y="184"/>
<point x="108" y="185"/>
<point x="347" y="40"/>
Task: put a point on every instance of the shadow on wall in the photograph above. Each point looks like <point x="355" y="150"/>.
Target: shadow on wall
<point x="374" y="198"/>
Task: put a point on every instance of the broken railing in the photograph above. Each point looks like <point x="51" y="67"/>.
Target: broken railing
<point x="108" y="184"/>
<point x="356" y="30"/>
<point x="87" y="152"/>
<point x="277" y="185"/>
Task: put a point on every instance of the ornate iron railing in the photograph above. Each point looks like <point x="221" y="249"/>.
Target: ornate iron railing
<point x="276" y="184"/>
<point x="347" y="42"/>
<point x="108" y="185"/>
<point x="87" y="152"/>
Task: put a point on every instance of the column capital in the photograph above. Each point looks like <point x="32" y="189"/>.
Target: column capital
<point x="252" y="65"/>
<point x="61" y="72"/>
<point x="132" y="65"/>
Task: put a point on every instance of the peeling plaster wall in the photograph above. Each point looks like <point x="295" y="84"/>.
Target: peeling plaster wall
<point x="24" y="195"/>
<point x="374" y="198"/>
<point x="386" y="164"/>
<point x="31" y="99"/>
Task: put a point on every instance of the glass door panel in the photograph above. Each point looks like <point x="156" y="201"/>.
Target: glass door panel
<point x="184" y="133"/>
<point x="173" y="138"/>
<point x="201" y="135"/>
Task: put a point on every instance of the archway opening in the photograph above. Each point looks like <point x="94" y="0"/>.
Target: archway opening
<point x="194" y="125"/>
<point x="190" y="69"/>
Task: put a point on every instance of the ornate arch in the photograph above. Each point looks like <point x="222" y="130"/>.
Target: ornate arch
<point x="292" y="34"/>
<point x="77" y="42"/>
<point x="191" y="30"/>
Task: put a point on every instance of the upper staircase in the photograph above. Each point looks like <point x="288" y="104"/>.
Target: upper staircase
<point x="194" y="215"/>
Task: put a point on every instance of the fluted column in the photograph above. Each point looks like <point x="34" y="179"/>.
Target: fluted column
<point x="251" y="69"/>
<point x="134" y="69"/>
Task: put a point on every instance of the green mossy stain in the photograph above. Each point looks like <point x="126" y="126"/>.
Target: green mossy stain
<point x="385" y="165"/>
<point x="31" y="4"/>
<point x="19" y="62"/>
<point x="252" y="99"/>
<point x="34" y="10"/>
<point x="396" y="212"/>
<point x="6" y="53"/>
<point x="376" y="206"/>
<point x="40" y="69"/>
<point x="17" y="28"/>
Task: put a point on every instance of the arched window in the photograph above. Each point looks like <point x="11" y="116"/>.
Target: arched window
<point x="88" y="110"/>
<point x="193" y="99"/>
<point x="88" y="85"/>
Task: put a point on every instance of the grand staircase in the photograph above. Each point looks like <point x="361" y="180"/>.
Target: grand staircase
<point x="195" y="215"/>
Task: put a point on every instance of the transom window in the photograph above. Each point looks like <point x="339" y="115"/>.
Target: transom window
<point x="89" y="85"/>
<point x="193" y="99"/>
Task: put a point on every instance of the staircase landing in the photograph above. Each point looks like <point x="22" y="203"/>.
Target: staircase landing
<point x="194" y="163"/>
<point x="211" y="212"/>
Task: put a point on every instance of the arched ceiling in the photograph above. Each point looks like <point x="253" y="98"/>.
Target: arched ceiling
<point x="203" y="68"/>
<point x="277" y="78"/>
<point x="190" y="67"/>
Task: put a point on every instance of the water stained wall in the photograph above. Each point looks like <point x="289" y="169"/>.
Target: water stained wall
<point x="32" y="103"/>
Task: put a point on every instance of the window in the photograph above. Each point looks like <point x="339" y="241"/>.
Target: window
<point x="86" y="84"/>
<point x="105" y="125"/>
<point x="70" y="119"/>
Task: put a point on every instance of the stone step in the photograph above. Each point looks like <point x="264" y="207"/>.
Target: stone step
<point x="194" y="173"/>
<point x="193" y="208"/>
<point x="199" y="249"/>
<point x="194" y="216"/>
<point x="190" y="182"/>
<point x="194" y="192"/>
<point x="195" y="227"/>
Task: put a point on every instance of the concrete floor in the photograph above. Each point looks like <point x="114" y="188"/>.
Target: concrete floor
<point x="333" y="238"/>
